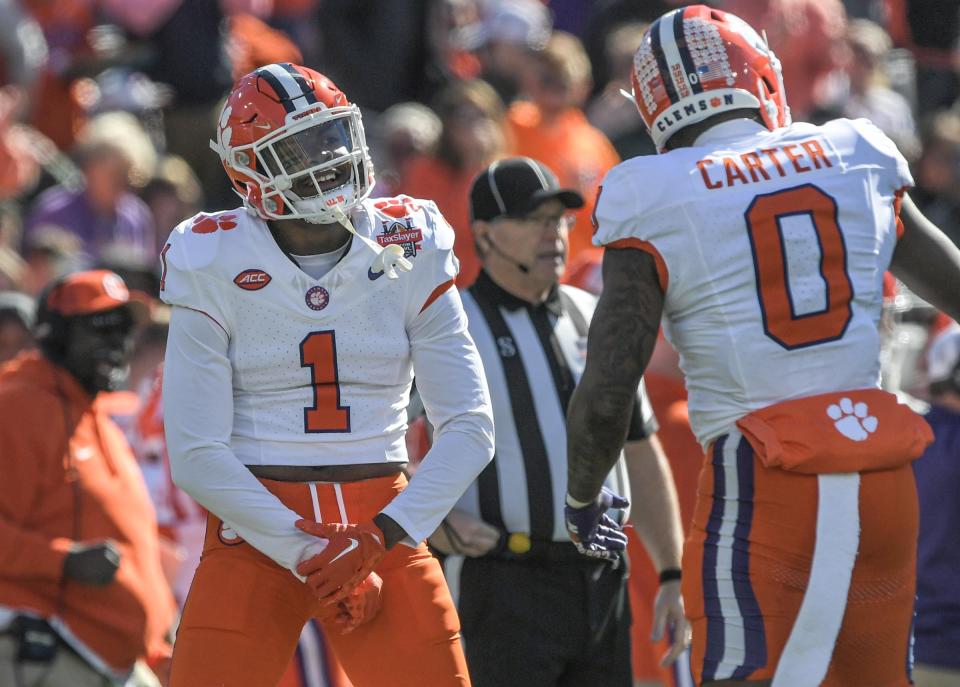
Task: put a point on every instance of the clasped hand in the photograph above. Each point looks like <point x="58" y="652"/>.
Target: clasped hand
<point x="351" y="553"/>
<point x="342" y="574"/>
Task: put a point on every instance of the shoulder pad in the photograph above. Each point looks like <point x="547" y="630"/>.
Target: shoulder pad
<point x="871" y="133"/>
<point x="195" y="242"/>
<point x="862" y="141"/>
<point x="193" y="264"/>
<point x="617" y="203"/>
<point x="407" y="221"/>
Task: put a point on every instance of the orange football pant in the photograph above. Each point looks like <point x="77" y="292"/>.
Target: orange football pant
<point x="747" y="563"/>
<point x="244" y="613"/>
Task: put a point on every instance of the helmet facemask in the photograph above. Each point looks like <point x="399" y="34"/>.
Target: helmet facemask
<point x="315" y="168"/>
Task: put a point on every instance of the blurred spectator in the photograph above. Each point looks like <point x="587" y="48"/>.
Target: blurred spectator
<point x="405" y="131"/>
<point x="143" y="281"/>
<point x="300" y="20"/>
<point x="473" y="134"/>
<point x="173" y="194"/>
<point x="929" y="28"/>
<point x="12" y="269"/>
<point x="604" y="18"/>
<point x="937" y="172"/>
<point x="23" y="54"/>
<point x="49" y="253"/>
<point x="252" y="44"/>
<point x="453" y="34"/>
<point x="807" y="36"/>
<point x="125" y="131"/>
<point x="189" y="54"/>
<point x="82" y="595"/>
<point x="181" y="521"/>
<point x="66" y="25"/>
<point x="874" y="10"/>
<point x="375" y="50"/>
<point x="612" y="113"/>
<point x="552" y="128"/>
<point x="511" y="32"/>
<point x="571" y="15"/>
<point x="17" y="314"/>
<point x="19" y="170"/>
<point x="23" y="50"/>
<point x="863" y="89"/>
<point x="149" y="347"/>
<point x="937" y="625"/>
<point x="103" y="214"/>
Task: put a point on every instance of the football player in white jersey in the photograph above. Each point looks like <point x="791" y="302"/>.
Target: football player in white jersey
<point x="762" y="244"/>
<point x="298" y="322"/>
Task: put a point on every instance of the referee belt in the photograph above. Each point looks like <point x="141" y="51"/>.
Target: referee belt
<point x="521" y="548"/>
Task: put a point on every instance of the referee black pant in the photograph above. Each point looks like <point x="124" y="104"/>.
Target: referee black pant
<point x="545" y="623"/>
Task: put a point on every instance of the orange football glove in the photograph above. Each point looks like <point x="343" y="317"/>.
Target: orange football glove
<point x="361" y="605"/>
<point x="351" y="553"/>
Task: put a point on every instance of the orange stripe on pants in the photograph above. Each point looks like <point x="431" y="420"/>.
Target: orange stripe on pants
<point x="244" y="613"/>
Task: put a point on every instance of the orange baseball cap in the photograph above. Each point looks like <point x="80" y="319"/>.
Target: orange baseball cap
<point x="86" y="293"/>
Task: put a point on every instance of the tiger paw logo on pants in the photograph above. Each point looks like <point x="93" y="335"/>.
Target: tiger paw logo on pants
<point x="852" y="420"/>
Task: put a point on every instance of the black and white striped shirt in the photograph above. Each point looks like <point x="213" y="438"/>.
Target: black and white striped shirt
<point x="533" y="356"/>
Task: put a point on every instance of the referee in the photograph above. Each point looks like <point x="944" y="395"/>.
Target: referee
<point x="534" y="611"/>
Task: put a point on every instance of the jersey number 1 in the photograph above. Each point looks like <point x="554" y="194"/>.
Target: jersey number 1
<point x="318" y="351"/>
<point x="780" y="319"/>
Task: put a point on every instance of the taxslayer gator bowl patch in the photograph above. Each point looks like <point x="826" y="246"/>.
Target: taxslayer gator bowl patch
<point x="405" y="235"/>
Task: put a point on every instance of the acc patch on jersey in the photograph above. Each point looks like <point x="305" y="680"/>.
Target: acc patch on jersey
<point x="252" y="280"/>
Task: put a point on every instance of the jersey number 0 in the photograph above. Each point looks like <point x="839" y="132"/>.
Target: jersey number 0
<point x="780" y="319"/>
<point x="318" y="351"/>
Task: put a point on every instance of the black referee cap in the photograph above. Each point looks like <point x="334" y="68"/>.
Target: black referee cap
<point x="514" y="187"/>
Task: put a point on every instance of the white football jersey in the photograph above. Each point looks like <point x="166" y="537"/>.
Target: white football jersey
<point x="771" y="246"/>
<point x="321" y="367"/>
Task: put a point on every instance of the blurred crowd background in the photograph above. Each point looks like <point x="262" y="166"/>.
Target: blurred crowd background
<point x="106" y="108"/>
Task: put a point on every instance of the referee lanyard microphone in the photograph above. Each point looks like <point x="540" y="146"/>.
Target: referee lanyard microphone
<point x="523" y="267"/>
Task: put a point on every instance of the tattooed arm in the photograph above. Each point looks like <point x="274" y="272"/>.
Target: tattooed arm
<point x="623" y="333"/>
<point x="927" y="261"/>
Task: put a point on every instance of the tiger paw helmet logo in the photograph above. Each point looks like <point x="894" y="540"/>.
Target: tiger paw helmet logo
<point x="206" y="224"/>
<point x="853" y="420"/>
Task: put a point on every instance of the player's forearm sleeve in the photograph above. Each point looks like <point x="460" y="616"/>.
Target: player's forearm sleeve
<point x="198" y="417"/>
<point x="453" y="387"/>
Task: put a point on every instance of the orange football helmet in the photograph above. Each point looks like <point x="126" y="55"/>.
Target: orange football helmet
<point x="293" y="145"/>
<point x="695" y="62"/>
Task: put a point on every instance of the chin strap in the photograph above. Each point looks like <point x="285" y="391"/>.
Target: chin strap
<point x="389" y="258"/>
